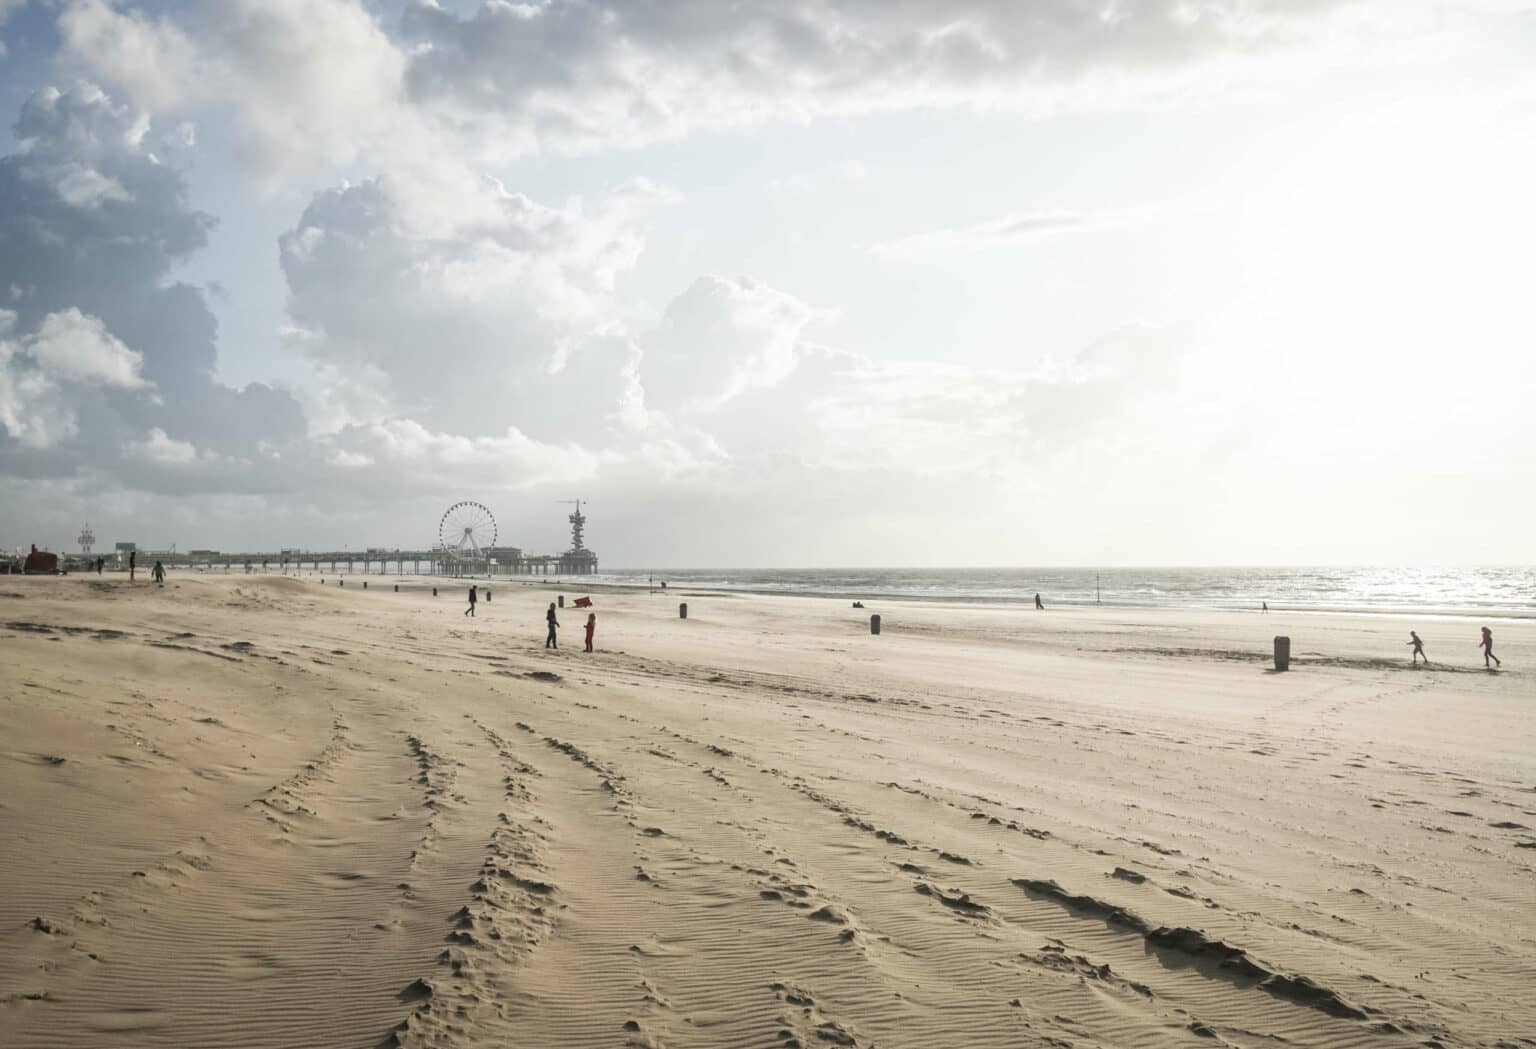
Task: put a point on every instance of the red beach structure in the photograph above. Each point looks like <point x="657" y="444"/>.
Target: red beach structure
<point x="40" y="562"/>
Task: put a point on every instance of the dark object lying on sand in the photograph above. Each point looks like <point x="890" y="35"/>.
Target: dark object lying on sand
<point x="40" y="562"/>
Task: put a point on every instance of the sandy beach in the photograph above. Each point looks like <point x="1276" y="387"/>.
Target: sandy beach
<point x="263" y="812"/>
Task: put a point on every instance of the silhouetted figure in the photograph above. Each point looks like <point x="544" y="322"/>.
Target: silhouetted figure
<point x="858" y="604"/>
<point x="663" y="584"/>
<point x="133" y="561"/>
<point x="1418" y="647"/>
<point x="1039" y="604"/>
<point x="1487" y="646"/>
<point x="473" y="596"/>
<point x="101" y="562"/>
<point x="591" y="628"/>
<point x="158" y="574"/>
<point x="549" y="617"/>
<point x="1265" y="604"/>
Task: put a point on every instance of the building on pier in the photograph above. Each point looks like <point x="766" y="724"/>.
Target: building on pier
<point x="578" y="560"/>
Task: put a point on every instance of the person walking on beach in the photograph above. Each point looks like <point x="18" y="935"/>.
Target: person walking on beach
<point x="1039" y="604"/>
<point x="1418" y="647"/>
<point x="549" y="617"/>
<point x="591" y="629"/>
<point x="158" y="574"/>
<point x="101" y="563"/>
<point x="133" y="560"/>
<point x="1487" y="646"/>
<point x="473" y="597"/>
<point x="1266" y="606"/>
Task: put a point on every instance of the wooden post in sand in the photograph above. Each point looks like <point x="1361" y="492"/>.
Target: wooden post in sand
<point x="682" y="610"/>
<point x="1282" y="653"/>
<point x="434" y="591"/>
<point x="397" y="588"/>
<point x="365" y="584"/>
<point x="874" y="623"/>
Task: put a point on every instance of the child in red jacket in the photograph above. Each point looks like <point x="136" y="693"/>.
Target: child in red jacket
<point x="591" y="627"/>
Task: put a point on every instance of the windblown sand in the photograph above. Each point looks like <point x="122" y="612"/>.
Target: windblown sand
<point x="261" y="812"/>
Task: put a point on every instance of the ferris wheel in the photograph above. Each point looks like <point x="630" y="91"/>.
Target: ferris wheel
<point x="467" y="531"/>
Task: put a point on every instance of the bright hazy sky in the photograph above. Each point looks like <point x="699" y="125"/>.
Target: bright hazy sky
<point x="869" y="282"/>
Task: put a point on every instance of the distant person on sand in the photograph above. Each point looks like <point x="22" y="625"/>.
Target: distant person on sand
<point x="133" y="561"/>
<point x="591" y="628"/>
<point x="1487" y="647"/>
<point x="1266" y="607"/>
<point x="549" y="617"/>
<point x="1418" y="647"/>
<point x="1039" y="603"/>
<point x="101" y="563"/>
<point x="158" y="574"/>
<point x="473" y="597"/>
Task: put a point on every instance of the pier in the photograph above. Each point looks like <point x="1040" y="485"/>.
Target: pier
<point x="369" y="562"/>
<point x="466" y="550"/>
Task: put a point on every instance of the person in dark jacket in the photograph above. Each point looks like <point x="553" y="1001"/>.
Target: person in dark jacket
<point x="1487" y="646"/>
<point x="549" y="617"/>
<point x="473" y="597"/>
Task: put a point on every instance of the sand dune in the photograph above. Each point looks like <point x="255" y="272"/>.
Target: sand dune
<point x="264" y="812"/>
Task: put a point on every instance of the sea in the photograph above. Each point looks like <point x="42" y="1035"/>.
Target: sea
<point x="1507" y="592"/>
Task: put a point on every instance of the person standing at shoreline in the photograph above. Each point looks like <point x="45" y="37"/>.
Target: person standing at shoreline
<point x="591" y="629"/>
<point x="549" y="617"/>
<point x="1039" y="604"/>
<point x="133" y="562"/>
<point x="1487" y="646"/>
<point x="1418" y="647"/>
<point x="473" y="597"/>
<point x="158" y="574"/>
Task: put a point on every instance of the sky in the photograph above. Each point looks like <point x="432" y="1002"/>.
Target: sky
<point x="775" y="283"/>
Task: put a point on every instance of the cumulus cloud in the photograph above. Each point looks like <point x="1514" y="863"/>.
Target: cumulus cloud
<point x="33" y="411"/>
<point x="800" y="409"/>
<point x="162" y="448"/>
<point x="71" y="345"/>
<point x="309" y="80"/>
<point x="471" y="319"/>
<point x="720" y="338"/>
<point x="103" y="342"/>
